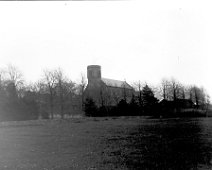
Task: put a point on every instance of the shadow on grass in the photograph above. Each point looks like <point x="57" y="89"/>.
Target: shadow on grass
<point x="170" y="144"/>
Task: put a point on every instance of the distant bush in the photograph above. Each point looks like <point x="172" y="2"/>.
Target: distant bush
<point x="44" y="115"/>
<point x="16" y="110"/>
<point x="90" y="107"/>
<point x="121" y="109"/>
<point x="14" y="107"/>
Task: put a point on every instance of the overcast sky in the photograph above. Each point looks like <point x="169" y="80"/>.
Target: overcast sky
<point x="132" y="40"/>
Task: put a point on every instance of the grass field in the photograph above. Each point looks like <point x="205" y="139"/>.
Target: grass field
<point x="106" y="143"/>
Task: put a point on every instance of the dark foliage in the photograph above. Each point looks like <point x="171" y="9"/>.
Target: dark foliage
<point x="134" y="106"/>
<point x="45" y="115"/>
<point x="90" y="107"/>
<point x="13" y="107"/>
<point x="56" y="95"/>
<point x="179" y="108"/>
<point x="29" y="100"/>
<point x="149" y="101"/>
<point x="150" y="107"/>
<point x="123" y="108"/>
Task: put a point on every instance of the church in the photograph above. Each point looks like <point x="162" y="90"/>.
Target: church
<point x="104" y="91"/>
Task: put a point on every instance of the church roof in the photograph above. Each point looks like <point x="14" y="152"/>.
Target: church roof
<point x="116" y="83"/>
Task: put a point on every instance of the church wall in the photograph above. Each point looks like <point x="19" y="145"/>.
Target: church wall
<point x="102" y="94"/>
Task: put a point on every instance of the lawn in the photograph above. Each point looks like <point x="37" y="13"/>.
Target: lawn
<point x="106" y="143"/>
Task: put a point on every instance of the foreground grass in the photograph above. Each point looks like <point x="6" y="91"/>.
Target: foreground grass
<point x="59" y="144"/>
<point x="106" y="143"/>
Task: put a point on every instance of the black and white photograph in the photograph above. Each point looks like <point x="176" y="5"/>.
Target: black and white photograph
<point x="105" y="85"/>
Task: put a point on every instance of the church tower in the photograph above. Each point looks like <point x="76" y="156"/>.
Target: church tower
<point x="94" y="82"/>
<point x="94" y="77"/>
<point x="93" y="73"/>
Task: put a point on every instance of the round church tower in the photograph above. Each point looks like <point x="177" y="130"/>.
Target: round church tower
<point x="94" y="82"/>
<point x="93" y="72"/>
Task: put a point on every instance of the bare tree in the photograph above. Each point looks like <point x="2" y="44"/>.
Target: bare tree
<point x="2" y="78"/>
<point x="59" y="75"/>
<point x="14" y="75"/>
<point x="50" y="81"/>
<point x="138" y="87"/>
<point x="198" y="96"/>
<point x="40" y="88"/>
<point x="183" y="92"/>
<point x="66" y="92"/>
<point x="195" y="95"/>
<point x="82" y="87"/>
<point x="202" y="98"/>
<point x="64" y="88"/>
<point x="207" y="104"/>
<point x="165" y="85"/>
<point x="2" y="86"/>
<point x="190" y="92"/>
<point x="70" y="94"/>
<point x="174" y="89"/>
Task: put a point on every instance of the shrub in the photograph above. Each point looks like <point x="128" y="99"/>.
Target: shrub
<point x="90" y="107"/>
<point x="44" y="115"/>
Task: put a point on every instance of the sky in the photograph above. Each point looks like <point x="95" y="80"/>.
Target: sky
<point x="131" y="40"/>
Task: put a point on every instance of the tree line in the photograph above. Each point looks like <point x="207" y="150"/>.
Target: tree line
<point x="54" y="94"/>
<point x="170" y="99"/>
